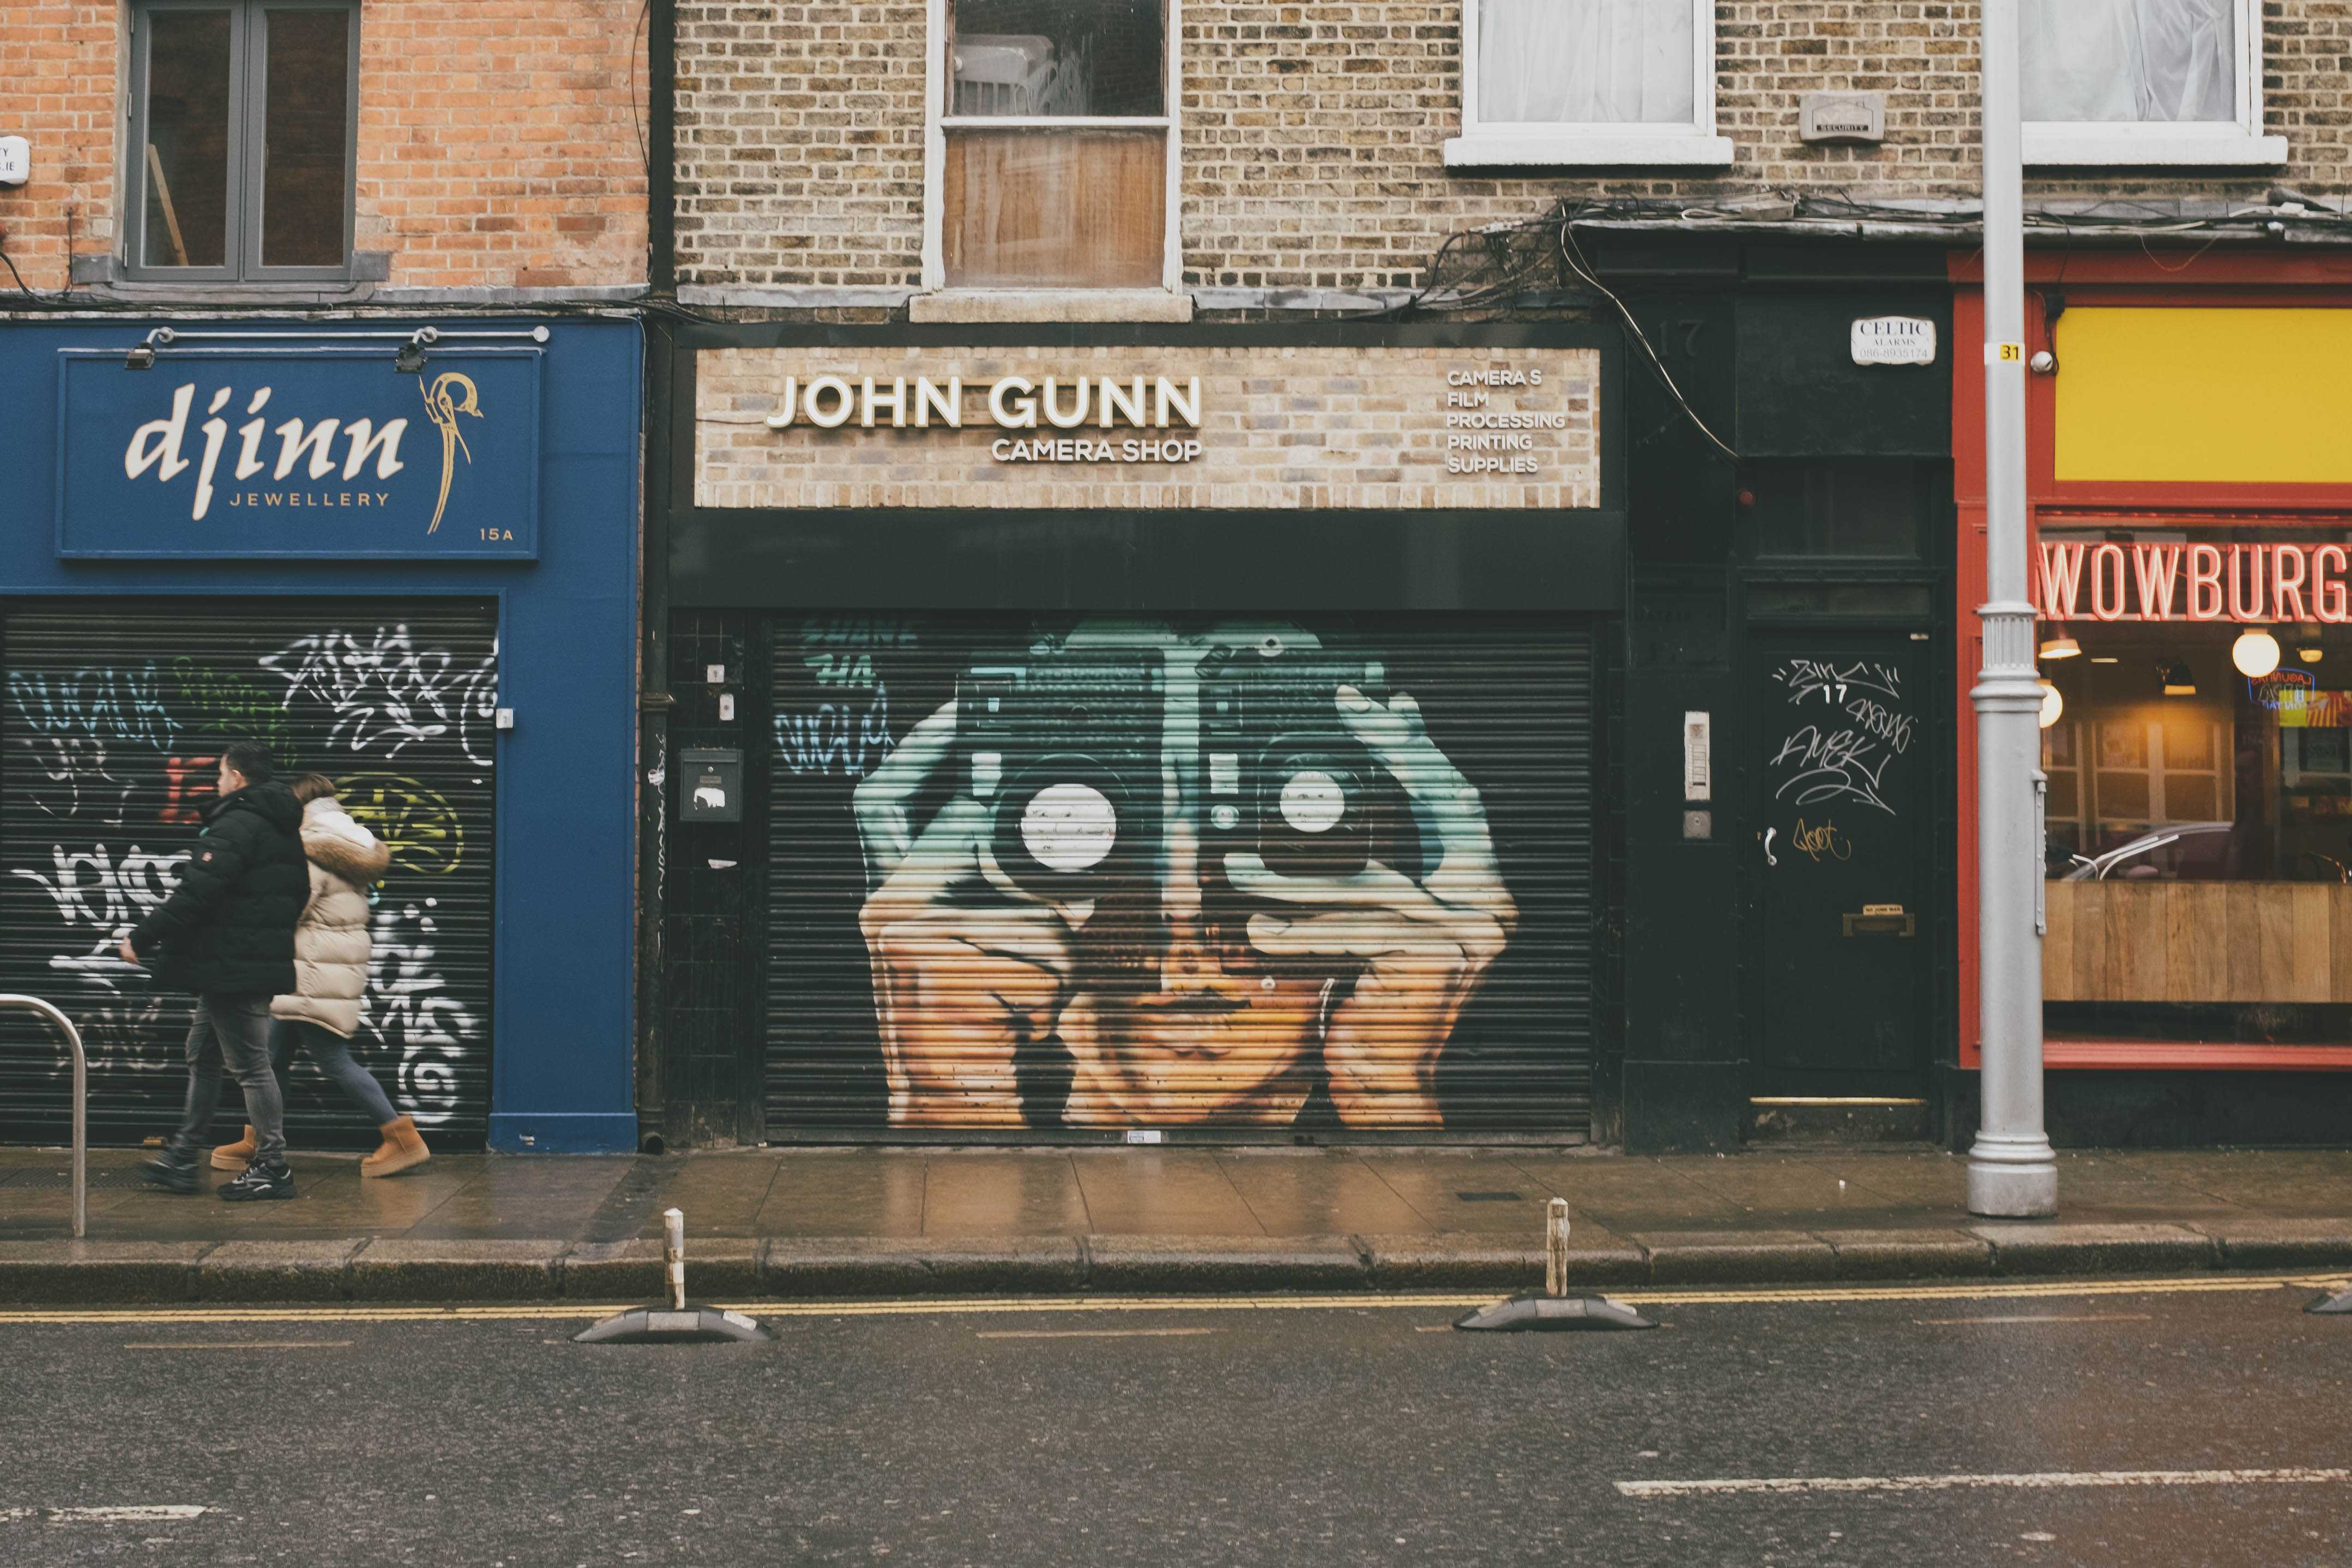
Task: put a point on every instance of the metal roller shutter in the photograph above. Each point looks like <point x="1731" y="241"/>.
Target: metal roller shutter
<point x="115" y="713"/>
<point x="981" y="920"/>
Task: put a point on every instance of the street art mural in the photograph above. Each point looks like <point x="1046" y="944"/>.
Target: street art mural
<point x="111" y="724"/>
<point x="1125" y="874"/>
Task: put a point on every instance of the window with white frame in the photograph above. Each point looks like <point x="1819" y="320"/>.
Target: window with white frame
<point x="1589" y="82"/>
<point x="2144" y="81"/>
<point x="1053" y="143"/>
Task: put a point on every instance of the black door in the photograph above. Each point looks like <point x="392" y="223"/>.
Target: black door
<point x="1840" y="941"/>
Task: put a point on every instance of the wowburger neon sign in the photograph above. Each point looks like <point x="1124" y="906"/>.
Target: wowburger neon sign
<point x="2110" y="582"/>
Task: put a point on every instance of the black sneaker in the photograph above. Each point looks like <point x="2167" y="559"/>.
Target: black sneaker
<point x="172" y="1170"/>
<point x="259" y="1183"/>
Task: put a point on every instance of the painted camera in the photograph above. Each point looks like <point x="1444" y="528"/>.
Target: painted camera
<point x="1065" y="748"/>
<point x="1281" y="774"/>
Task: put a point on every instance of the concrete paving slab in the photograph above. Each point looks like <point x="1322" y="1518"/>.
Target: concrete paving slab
<point x="460" y="1269"/>
<point x="1160" y="1192"/>
<point x="1493" y="1195"/>
<point x="847" y="1192"/>
<point x="1908" y="1254"/>
<point x="1628" y="1195"/>
<point x="1736" y="1257"/>
<point x="2040" y="1247"/>
<point x="1195" y="1264"/>
<point x="721" y="1194"/>
<point x="977" y="1192"/>
<point x="277" y="1271"/>
<point x="97" y="1272"/>
<point x="916" y="1265"/>
<point x="525" y="1199"/>
<point x="1316" y="1192"/>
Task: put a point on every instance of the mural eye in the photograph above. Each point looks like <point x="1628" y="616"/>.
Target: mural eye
<point x="1313" y="801"/>
<point x="1069" y="828"/>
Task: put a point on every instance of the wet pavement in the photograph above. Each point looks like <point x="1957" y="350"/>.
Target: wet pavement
<point x="980" y="1195"/>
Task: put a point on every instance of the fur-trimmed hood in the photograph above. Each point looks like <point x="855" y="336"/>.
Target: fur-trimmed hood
<point x="336" y="842"/>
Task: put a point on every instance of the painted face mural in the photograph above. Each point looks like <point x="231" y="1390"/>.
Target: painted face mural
<point x="1211" y="871"/>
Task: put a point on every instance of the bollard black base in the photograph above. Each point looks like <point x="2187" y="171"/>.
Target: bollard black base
<point x="2341" y="1302"/>
<point x="668" y="1326"/>
<point x="1565" y="1314"/>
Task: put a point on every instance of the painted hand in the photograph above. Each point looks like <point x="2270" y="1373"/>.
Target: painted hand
<point x="960" y="985"/>
<point x="1424" y="945"/>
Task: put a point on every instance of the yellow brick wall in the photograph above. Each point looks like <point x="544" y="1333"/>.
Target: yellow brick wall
<point x="1281" y="428"/>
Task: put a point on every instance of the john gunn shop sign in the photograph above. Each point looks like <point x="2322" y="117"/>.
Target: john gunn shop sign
<point x="386" y="451"/>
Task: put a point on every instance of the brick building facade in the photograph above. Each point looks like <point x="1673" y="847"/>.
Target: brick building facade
<point x="500" y="147"/>
<point x="1312" y="134"/>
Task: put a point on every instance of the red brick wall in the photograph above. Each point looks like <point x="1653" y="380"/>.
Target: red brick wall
<point x="500" y="139"/>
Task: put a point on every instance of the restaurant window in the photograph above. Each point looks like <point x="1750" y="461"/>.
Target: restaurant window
<point x="1588" y="81"/>
<point x="1056" y="141"/>
<point x="242" y="119"/>
<point x="2133" y="81"/>
<point x="2196" y="740"/>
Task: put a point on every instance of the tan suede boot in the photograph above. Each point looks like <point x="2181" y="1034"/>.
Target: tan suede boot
<point x="234" y="1156"/>
<point x="404" y="1149"/>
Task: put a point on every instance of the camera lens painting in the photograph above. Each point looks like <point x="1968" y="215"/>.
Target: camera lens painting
<point x="1329" y="872"/>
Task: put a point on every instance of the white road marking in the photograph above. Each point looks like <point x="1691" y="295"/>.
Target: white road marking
<point x="1090" y="1334"/>
<point x="135" y="1514"/>
<point x="2037" y="1481"/>
<point x="2043" y="1318"/>
<point x="238" y="1345"/>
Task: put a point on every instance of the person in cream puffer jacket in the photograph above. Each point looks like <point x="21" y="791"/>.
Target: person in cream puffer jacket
<point x="332" y="949"/>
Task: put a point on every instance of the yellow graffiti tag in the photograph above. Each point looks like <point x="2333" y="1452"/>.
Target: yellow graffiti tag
<point x="442" y="407"/>
<point x="1824" y="840"/>
<point x="418" y="825"/>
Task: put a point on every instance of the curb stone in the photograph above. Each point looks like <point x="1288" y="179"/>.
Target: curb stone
<point x="125" y="1273"/>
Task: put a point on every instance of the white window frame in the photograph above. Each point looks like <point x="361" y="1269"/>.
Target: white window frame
<point x="1527" y="143"/>
<point x="2151" y="142"/>
<point x="939" y="84"/>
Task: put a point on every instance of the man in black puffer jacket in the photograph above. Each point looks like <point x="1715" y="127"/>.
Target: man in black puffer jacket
<point x="227" y="934"/>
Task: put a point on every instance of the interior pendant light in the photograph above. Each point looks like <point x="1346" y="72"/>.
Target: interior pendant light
<point x="2306" y="643"/>
<point x="2053" y="706"/>
<point x="2255" y="653"/>
<point x="2062" y="646"/>
<point x="2176" y="681"/>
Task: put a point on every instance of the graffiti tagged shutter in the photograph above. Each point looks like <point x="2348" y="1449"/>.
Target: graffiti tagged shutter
<point x="114" y="716"/>
<point x="1043" y="872"/>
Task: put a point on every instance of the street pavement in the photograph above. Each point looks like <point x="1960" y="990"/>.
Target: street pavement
<point x="868" y="1221"/>
<point x="2198" y="1424"/>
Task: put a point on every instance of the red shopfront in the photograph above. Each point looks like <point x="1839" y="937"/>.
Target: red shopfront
<point x="2190" y="470"/>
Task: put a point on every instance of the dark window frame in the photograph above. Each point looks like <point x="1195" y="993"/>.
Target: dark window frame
<point x="248" y="145"/>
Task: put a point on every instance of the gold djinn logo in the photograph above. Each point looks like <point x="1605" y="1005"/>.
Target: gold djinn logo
<point x="307" y="458"/>
<point x="443" y="405"/>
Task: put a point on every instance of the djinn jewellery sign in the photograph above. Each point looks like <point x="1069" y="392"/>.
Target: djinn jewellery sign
<point x="315" y="453"/>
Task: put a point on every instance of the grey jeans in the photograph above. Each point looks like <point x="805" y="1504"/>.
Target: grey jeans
<point x="332" y="1055"/>
<point x="231" y="1033"/>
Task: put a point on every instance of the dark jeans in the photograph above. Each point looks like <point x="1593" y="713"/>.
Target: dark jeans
<point x="331" y="1054"/>
<point x="232" y="1032"/>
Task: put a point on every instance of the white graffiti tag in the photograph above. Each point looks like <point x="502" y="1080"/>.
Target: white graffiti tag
<point x="1832" y="682"/>
<point x="838" y="738"/>
<point x="385" y="692"/>
<point x="411" y="1014"/>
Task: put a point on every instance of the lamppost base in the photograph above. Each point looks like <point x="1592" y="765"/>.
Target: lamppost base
<point x="2008" y="1191"/>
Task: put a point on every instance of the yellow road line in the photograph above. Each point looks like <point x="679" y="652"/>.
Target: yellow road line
<point x="565" y="1312"/>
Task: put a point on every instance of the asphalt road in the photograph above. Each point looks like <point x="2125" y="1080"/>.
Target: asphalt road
<point x="1348" y="1434"/>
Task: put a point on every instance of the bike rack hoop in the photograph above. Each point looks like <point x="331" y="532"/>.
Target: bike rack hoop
<point x="65" y="1027"/>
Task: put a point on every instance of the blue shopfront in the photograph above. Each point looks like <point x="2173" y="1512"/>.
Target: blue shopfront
<point x="402" y="554"/>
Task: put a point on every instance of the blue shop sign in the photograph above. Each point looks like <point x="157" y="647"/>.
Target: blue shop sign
<point x="313" y="453"/>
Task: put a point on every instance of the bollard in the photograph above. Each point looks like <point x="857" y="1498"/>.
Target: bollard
<point x="1555" y="1308"/>
<point x="674" y="1255"/>
<point x="674" y="1323"/>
